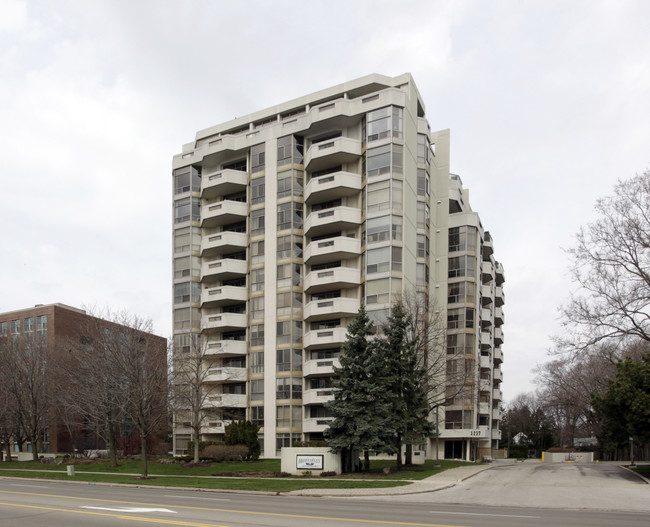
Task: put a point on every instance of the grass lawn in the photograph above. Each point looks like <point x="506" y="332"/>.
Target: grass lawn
<point x="254" y="475"/>
<point x="641" y="469"/>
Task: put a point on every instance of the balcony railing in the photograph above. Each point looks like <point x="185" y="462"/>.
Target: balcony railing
<point x="332" y="186"/>
<point x="324" y="338"/>
<point x="332" y="249"/>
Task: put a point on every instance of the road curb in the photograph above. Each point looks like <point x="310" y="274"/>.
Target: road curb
<point x="640" y="476"/>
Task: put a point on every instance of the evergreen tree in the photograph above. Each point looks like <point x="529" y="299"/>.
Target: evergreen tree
<point x="406" y="382"/>
<point x="244" y="433"/>
<point x="361" y="408"/>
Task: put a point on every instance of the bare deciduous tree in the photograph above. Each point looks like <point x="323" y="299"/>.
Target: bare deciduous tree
<point x="188" y="391"/>
<point x="611" y="265"/>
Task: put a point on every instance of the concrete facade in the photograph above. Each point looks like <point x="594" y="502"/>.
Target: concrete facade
<point x="286" y="220"/>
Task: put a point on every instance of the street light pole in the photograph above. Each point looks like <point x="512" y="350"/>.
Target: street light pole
<point x="632" y="452"/>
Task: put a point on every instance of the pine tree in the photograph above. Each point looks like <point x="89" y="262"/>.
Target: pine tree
<point x="361" y="408"/>
<point x="406" y="382"/>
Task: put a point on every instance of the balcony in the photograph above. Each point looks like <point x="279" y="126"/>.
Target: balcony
<point x="497" y="375"/>
<point x="224" y="321"/>
<point x="485" y="362"/>
<point x="317" y="396"/>
<point x="320" y="367"/>
<point x="484" y="408"/>
<point x="225" y="375"/>
<point x="223" y="183"/>
<point x="224" y="269"/>
<point x="500" y="278"/>
<point x="215" y="427"/>
<point x="496" y="434"/>
<point x="324" y="338"/>
<point x="498" y="337"/>
<point x="225" y="400"/>
<point x="496" y="414"/>
<point x="486" y="340"/>
<point x="498" y="356"/>
<point x="335" y="278"/>
<point x="316" y="424"/>
<point x="487" y="272"/>
<point x="226" y="348"/>
<point x="332" y="186"/>
<point x="496" y="395"/>
<point x="499" y="297"/>
<point x="337" y="151"/>
<point x="332" y="250"/>
<point x="223" y="243"/>
<point x="223" y="295"/>
<point x="498" y="316"/>
<point x="336" y="219"/>
<point x="331" y="308"/>
<point x="222" y="213"/>
<point x="464" y="433"/>
<point x="486" y="317"/>
<point x="488" y="247"/>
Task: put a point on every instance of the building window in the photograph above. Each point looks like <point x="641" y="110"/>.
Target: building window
<point x="257" y="361"/>
<point x="283" y="414"/>
<point x="187" y="292"/>
<point x="424" y="150"/>
<point x="257" y="335"/>
<point x="423" y="215"/>
<point x="257" y="252"/>
<point x="257" y="222"/>
<point x="378" y="291"/>
<point x="289" y="246"/>
<point x="421" y="275"/>
<point x="422" y="246"/>
<point x="185" y="241"/>
<point x="461" y="266"/>
<point x="257" y="158"/>
<point x="288" y="214"/>
<point x="15" y="327"/>
<point x="186" y="179"/>
<point x="258" y="189"/>
<point x="3" y="328"/>
<point x="186" y="209"/>
<point x="257" y="279"/>
<point x="257" y="415"/>
<point x="461" y="292"/>
<point x="257" y="307"/>
<point x="462" y="238"/>
<point x="29" y="325"/>
<point x="257" y="390"/>
<point x="378" y="160"/>
<point x="290" y="183"/>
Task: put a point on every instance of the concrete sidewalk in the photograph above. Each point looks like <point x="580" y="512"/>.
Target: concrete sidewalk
<point x="443" y="480"/>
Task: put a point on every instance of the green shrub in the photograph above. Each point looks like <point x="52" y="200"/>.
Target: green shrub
<point x="518" y="451"/>
<point x="225" y="452"/>
<point x="244" y="433"/>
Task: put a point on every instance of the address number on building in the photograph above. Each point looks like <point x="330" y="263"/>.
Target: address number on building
<point x="475" y="433"/>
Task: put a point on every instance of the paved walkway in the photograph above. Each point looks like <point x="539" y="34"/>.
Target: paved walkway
<point x="443" y="480"/>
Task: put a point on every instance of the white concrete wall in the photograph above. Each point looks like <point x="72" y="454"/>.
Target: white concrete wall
<point x="289" y="459"/>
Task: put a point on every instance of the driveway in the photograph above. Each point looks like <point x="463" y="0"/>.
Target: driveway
<point x="596" y="486"/>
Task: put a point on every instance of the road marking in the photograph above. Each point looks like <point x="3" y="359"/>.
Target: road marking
<point x="195" y="498"/>
<point x="117" y="516"/>
<point x="485" y="514"/>
<point x="209" y="509"/>
<point x="129" y="509"/>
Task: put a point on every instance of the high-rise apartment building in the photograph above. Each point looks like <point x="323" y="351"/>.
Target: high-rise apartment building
<point x="286" y="220"/>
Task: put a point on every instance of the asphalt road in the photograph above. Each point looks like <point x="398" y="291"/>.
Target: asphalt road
<point x="27" y="503"/>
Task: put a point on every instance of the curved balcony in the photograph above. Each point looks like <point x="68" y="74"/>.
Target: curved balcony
<point x="496" y="414"/>
<point x="498" y="316"/>
<point x="223" y="183"/>
<point x="317" y="396"/>
<point x="324" y="338"/>
<point x="486" y="340"/>
<point x="498" y="336"/>
<point x="487" y="272"/>
<point x="331" y="308"/>
<point x="226" y="348"/>
<point x="332" y="249"/>
<point x="223" y="269"/>
<point x="320" y="367"/>
<point x="484" y="408"/>
<point x="335" y="219"/>
<point x="496" y="434"/>
<point x="225" y="400"/>
<point x="223" y="243"/>
<point x="215" y="427"/>
<point x="223" y="295"/>
<point x="486" y="318"/>
<point x="222" y="213"/>
<point x="335" y="278"/>
<point x="499" y="298"/>
<point x="497" y="375"/>
<point x="500" y="278"/>
<point x="225" y="375"/>
<point x="498" y="356"/>
<point x="332" y="186"/>
<point x="319" y="424"/>
<point x="496" y="395"/>
<point x="224" y="321"/>
<point x="485" y="362"/>
<point x="486" y="292"/>
<point x="334" y="152"/>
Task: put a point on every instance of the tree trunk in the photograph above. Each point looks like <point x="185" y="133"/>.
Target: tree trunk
<point x="35" y="450"/>
<point x="366" y="461"/>
<point x="196" y="446"/>
<point x="112" y="450"/>
<point x="143" y="454"/>
<point x="409" y="454"/>
<point x="399" y="452"/>
<point x="8" y="448"/>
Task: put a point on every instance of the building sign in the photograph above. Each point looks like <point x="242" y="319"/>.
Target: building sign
<point x="309" y="462"/>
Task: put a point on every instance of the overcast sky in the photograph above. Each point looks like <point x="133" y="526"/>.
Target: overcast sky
<point x="548" y="103"/>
